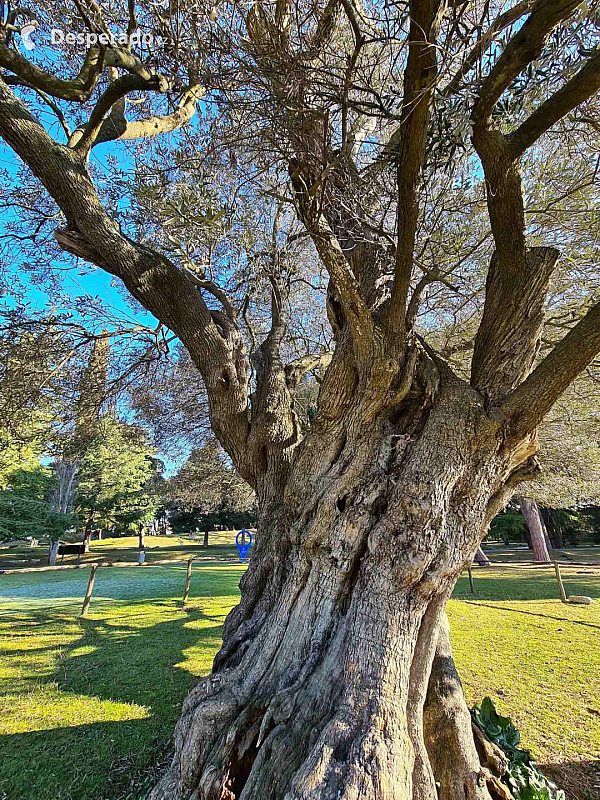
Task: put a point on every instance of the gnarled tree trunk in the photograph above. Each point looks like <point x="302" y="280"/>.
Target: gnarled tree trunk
<point x="319" y="689"/>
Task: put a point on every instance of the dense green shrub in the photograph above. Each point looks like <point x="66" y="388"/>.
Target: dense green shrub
<point x="526" y="781"/>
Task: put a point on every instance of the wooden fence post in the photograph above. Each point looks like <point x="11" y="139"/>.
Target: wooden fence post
<point x="187" y="581"/>
<point x="563" y="595"/>
<point x="90" y="588"/>
<point x="471" y="580"/>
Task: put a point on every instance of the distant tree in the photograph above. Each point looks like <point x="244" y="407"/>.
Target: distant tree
<point x="24" y="508"/>
<point x="25" y="484"/>
<point x="113" y="475"/>
<point x="509" y="524"/>
<point x="591" y="515"/>
<point x="141" y="507"/>
<point x="26" y="362"/>
<point x="207" y="481"/>
<point x="85" y="424"/>
<point x="172" y="403"/>
<point x="536" y="527"/>
<point x="221" y="519"/>
<point x="208" y="493"/>
<point x="21" y="450"/>
<point x="28" y="379"/>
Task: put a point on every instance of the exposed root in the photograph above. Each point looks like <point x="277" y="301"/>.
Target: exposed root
<point x="466" y="765"/>
<point x="490" y="754"/>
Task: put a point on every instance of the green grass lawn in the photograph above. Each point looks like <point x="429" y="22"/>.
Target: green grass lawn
<point x="86" y="702"/>
<point x="87" y="706"/>
<point x="539" y="660"/>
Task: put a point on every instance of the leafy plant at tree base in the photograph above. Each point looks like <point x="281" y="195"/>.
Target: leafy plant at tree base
<point x="526" y="781"/>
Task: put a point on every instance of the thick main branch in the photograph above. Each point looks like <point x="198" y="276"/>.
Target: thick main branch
<point x="419" y="80"/>
<point x="531" y="401"/>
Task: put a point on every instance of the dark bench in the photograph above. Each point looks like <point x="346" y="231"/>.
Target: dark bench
<point x="71" y="550"/>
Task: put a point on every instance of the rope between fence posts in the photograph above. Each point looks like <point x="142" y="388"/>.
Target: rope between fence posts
<point x="89" y="564"/>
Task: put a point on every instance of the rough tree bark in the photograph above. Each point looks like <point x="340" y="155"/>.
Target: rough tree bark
<point x="319" y="688"/>
<point x="537" y="529"/>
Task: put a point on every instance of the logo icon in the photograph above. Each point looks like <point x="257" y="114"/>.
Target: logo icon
<point x="26" y="32"/>
<point x="243" y="541"/>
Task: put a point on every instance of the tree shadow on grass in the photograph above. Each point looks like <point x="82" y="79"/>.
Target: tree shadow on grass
<point x="579" y="779"/>
<point x="524" y="584"/>
<point x="144" y="671"/>
<point x="496" y="607"/>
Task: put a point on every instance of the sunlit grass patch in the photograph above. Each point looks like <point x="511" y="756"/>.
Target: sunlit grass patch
<point x="82" y="696"/>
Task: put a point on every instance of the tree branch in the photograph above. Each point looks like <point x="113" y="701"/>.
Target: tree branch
<point x="499" y="24"/>
<point x="524" y="47"/>
<point x="148" y="275"/>
<point x="80" y="88"/>
<point x="420" y="77"/>
<point x="576" y="91"/>
<point x="27" y="74"/>
<point x="356" y="311"/>
<point x="119" y="57"/>
<point x="508" y="338"/>
<point x="295" y="370"/>
<point x="215" y="290"/>
<point x="531" y="401"/>
<point x="84" y="138"/>
<point x="507" y="341"/>
<point x="112" y="130"/>
<point x="60" y="116"/>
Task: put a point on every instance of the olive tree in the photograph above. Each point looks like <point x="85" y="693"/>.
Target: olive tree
<point x="412" y="137"/>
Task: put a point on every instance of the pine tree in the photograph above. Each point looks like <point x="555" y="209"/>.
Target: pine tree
<point x="113" y="478"/>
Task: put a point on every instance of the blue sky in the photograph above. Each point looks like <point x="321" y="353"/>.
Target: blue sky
<point x="95" y="282"/>
<point x="76" y="282"/>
